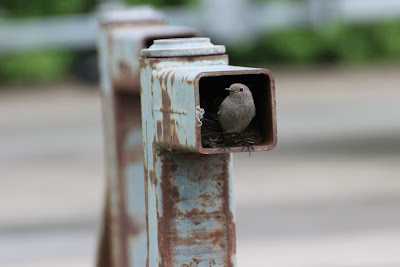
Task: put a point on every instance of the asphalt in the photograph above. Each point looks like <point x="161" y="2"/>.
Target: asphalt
<point x="328" y="195"/>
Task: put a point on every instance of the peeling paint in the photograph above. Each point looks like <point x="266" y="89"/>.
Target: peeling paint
<point x="191" y="218"/>
<point x="122" y="35"/>
<point x="189" y="195"/>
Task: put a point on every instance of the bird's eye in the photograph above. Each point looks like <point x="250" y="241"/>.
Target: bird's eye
<point x="241" y="89"/>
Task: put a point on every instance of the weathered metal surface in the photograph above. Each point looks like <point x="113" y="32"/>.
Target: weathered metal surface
<point x="124" y="225"/>
<point x="195" y="220"/>
<point x="136" y="15"/>
<point x="175" y="84"/>
<point x="183" y="47"/>
<point x="189" y="196"/>
<point x="123" y="238"/>
<point x="123" y="42"/>
<point x="125" y="50"/>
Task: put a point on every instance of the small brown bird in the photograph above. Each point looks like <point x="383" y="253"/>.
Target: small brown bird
<point x="237" y="110"/>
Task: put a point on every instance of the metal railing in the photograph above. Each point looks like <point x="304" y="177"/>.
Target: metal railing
<point x="240" y="21"/>
<point x="170" y="201"/>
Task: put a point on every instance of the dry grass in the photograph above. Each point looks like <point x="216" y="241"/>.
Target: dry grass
<point x="213" y="136"/>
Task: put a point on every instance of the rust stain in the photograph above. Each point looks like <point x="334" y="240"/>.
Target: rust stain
<point x="154" y="147"/>
<point x="121" y="110"/>
<point x="169" y="134"/>
<point x="153" y="178"/>
<point x="230" y="223"/>
<point x="173" y="79"/>
<point x="153" y="62"/>
<point x="170" y="196"/>
<point x="146" y="184"/>
<point x="165" y="79"/>
<point x="127" y="119"/>
<point x="196" y="260"/>
<point x="194" y="263"/>
<point x="133" y="155"/>
<point x="104" y="253"/>
<point x="142" y="63"/>
<point x="124" y="69"/>
<point x="159" y="130"/>
<point x="169" y="237"/>
<point x="169" y="110"/>
<point x="216" y="238"/>
<point x="134" y="227"/>
<point x="173" y="140"/>
<point x="160" y="80"/>
<point x="147" y="216"/>
<point x="166" y="105"/>
<point x="208" y="200"/>
<point x="125" y="79"/>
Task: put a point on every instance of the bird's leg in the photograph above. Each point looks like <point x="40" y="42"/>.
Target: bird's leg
<point x="224" y="146"/>
<point x="246" y="144"/>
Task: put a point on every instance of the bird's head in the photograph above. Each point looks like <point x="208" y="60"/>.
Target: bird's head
<point x="239" y="89"/>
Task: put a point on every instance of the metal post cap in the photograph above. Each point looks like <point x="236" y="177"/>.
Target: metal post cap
<point x="138" y="14"/>
<point x="181" y="47"/>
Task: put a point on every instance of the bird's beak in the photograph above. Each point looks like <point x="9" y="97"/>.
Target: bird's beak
<point x="228" y="89"/>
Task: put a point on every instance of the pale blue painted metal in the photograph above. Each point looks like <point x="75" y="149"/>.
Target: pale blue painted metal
<point x="124" y="42"/>
<point x="190" y="210"/>
<point x="123" y="238"/>
<point x="179" y="80"/>
<point x="189" y="199"/>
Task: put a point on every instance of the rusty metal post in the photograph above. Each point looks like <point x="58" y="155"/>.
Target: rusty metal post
<point x="189" y="194"/>
<point x="123" y="33"/>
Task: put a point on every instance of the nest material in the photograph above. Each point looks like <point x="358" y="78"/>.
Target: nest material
<point x="213" y="137"/>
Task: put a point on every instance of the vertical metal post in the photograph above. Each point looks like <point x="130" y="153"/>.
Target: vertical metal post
<point x="123" y="238"/>
<point x="190" y="212"/>
<point x="191" y="218"/>
<point x="189" y="195"/>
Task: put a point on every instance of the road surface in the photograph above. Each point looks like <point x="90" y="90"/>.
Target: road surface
<point x="328" y="196"/>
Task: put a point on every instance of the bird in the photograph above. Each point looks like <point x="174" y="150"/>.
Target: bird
<point x="237" y="109"/>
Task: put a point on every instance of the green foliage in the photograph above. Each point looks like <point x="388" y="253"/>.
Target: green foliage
<point x="335" y="43"/>
<point x="353" y="43"/>
<point x="35" y="66"/>
<point x="161" y="2"/>
<point x="364" y="43"/>
<point x="35" y="8"/>
<point x="277" y="1"/>
<point x="298" y="46"/>
<point x="387" y="36"/>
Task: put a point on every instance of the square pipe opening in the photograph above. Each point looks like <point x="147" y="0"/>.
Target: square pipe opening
<point x="262" y="129"/>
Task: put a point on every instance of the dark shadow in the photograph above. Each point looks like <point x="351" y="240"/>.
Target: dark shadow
<point x="212" y="93"/>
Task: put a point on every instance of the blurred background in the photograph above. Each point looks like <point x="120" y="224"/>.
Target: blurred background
<point x="328" y="195"/>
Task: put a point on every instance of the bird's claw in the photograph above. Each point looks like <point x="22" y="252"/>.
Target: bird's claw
<point x="224" y="147"/>
<point x="249" y="147"/>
